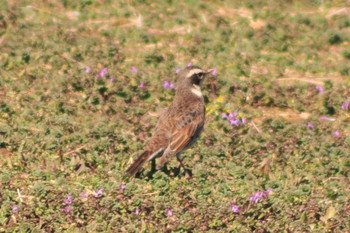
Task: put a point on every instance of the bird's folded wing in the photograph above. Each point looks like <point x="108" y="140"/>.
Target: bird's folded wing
<point x="182" y="137"/>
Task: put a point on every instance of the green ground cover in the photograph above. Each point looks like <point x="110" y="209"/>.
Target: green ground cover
<point x="67" y="134"/>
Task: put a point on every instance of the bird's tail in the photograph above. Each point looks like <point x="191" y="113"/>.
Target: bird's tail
<point x="137" y="165"/>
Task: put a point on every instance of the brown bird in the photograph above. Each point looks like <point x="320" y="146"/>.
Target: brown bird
<point x="179" y="125"/>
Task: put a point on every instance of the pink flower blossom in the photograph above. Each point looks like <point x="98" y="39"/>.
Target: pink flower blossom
<point x="320" y="89"/>
<point x="255" y="198"/>
<point x="15" y="209"/>
<point x="142" y="86"/>
<point x="310" y="125"/>
<point x="337" y="134"/>
<point x="103" y="73"/>
<point x="235" y="209"/>
<point x="122" y="187"/>
<point x="346" y="105"/>
<point x="99" y="193"/>
<point x="69" y="199"/>
<point x="214" y="72"/>
<point x="169" y="213"/>
<point x="88" y="69"/>
<point x="169" y="85"/>
<point x="134" y="69"/>
<point x="326" y="118"/>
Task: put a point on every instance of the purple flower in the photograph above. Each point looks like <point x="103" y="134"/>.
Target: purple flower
<point x="103" y="73"/>
<point x="215" y="72"/>
<point x="234" y="119"/>
<point x="69" y="199"/>
<point x="255" y="198"/>
<point x="269" y="191"/>
<point x="326" y="118"/>
<point x="122" y="187"/>
<point x="177" y="70"/>
<point x="169" y="213"/>
<point x="99" y="193"/>
<point x="83" y="195"/>
<point x="67" y="210"/>
<point x="189" y="64"/>
<point x="320" y="89"/>
<point x="15" y="209"/>
<point x="235" y="209"/>
<point x="112" y="78"/>
<point x="134" y="69"/>
<point x="137" y="211"/>
<point x="142" y="86"/>
<point x="310" y="125"/>
<point x="346" y="105"/>
<point x="235" y="122"/>
<point x="88" y="69"/>
<point x="169" y="85"/>
<point x="234" y="114"/>
<point x="337" y="134"/>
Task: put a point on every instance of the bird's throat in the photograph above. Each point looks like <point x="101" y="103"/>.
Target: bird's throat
<point x="196" y="90"/>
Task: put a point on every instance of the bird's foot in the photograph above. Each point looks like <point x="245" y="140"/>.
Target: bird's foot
<point x="188" y="174"/>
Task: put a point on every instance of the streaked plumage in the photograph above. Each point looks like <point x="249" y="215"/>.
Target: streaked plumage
<point x="179" y="125"/>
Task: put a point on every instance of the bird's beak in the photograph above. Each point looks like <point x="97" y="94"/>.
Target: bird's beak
<point x="209" y="71"/>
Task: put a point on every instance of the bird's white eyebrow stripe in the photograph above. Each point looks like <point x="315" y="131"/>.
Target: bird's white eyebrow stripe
<point x="194" y="71"/>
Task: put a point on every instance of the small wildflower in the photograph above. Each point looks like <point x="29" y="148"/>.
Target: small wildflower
<point x="103" y="73"/>
<point x="83" y="195"/>
<point x="122" y="187"/>
<point x="88" y="69"/>
<point x="310" y="125"/>
<point x="255" y="198"/>
<point x="134" y="69"/>
<point x="189" y="64"/>
<point x="137" y="211"/>
<point x="346" y="105"/>
<point x="214" y="72"/>
<point x="234" y="118"/>
<point x="67" y="210"/>
<point x="142" y="86"/>
<point x="169" y="85"/>
<point x="320" y="89"/>
<point x="69" y="199"/>
<point x="235" y="209"/>
<point x="326" y="118"/>
<point x="177" y="70"/>
<point x="99" y="193"/>
<point x="269" y="191"/>
<point x="337" y="134"/>
<point x="169" y="213"/>
<point x="15" y="209"/>
<point x="112" y="78"/>
<point x="235" y="122"/>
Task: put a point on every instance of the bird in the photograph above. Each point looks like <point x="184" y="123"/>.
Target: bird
<point x="179" y="125"/>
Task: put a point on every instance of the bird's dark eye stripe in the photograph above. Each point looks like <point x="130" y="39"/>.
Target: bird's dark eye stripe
<point x="199" y="74"/>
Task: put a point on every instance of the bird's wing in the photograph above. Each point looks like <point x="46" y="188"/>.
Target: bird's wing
<point x="187" y="129"/>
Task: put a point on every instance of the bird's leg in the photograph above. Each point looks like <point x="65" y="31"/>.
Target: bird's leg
<point x="153" y="165"/>
<point x="188" y="173"/>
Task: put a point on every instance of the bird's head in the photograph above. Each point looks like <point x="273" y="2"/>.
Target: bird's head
<point x="192" y="78"/>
